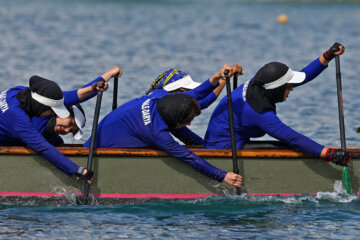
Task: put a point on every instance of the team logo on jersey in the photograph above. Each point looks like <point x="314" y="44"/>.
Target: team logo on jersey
<point x="246" y="84"/>
<point x="3" y="103"/>
<point x="145" y="109"/>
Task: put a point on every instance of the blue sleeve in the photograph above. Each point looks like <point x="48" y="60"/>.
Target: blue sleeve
<point x="71" y="97"/>
<point x="272" y="125"/>
<point x="166" y="143"/>
<point x="24" y="131"/>
<point x="202" y="91"/>
<point x="207" y="101"/>
<point x="55" y="140"/>
<point x="40" y="123"/>
<point x="312" y="71"/>
<point x="187" y="136"/>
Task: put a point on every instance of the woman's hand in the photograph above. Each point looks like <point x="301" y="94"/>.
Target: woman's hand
<point x="233" y="179"/>
<point x="335" y="50"/>
<point x="115" y="71"/>
<point x="230" y="70"/>
<point x="341" y="51"/>
<point x="237" y="70"/>
<point x="85" y="174"/>
<point x="101" y="85"/>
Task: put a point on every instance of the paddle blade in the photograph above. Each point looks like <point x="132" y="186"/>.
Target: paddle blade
<point x="346" y="180"/>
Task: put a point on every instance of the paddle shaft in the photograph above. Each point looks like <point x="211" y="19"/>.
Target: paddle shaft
<point x="346" y="177"/>
<point x="114" y="105"/>
<point x="235" y="82"/>
<point x="232" y="130"/>
<point x="340" y="103"/>
<point x="92" y="143"/>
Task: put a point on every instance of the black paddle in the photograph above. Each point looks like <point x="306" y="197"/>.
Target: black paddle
<point x="238" y="71"/>
<point x="235" y="82"/>
<point x="346" y="176"/>
<point x="114" y="105"/>
<point x="93" y="137"/>
<point x="232" y="131"/>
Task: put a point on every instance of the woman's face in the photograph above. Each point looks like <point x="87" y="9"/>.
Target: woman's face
<point x="65" y="126"/>
<point x="289" y="88"/>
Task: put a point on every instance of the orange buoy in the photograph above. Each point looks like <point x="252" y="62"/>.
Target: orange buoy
<point x="283" y="18"/>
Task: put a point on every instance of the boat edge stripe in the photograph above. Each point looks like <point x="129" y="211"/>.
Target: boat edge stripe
<point x="139" y="195"/>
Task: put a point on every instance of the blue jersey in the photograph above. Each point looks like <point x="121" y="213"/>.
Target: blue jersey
<point x="137" y="124"/>
<point x="16" y="127"/>
<point x="250" y="124"/>
<point x="205" y="96"/>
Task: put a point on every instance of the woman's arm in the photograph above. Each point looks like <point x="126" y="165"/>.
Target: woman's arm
<point x="23" y="129"/>
<point x="187" y="136"/>
<point x="89" y="90"/>
<point x="320" y="64"/>
<point x="272" y="125"/>
<point x="211" y="89"/>
<point x="202" y="91"/>
<point x="85" y="92"/>
<point x="165" y="142"/>
<point x="207" y="101"/>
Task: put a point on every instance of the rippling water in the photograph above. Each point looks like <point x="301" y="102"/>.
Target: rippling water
<point x="324" y="216"/>
<point x="72" y="42"/>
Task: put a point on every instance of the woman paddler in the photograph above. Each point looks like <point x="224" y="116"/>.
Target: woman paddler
<point x="19" y="104"/>
<point x="52" y="126"/>
<point x="255" y="109"/>
<point x="176" y="81"/>
<point x="146" y="122"/>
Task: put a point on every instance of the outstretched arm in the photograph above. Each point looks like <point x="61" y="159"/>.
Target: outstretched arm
<point x="85" y="92"/>
<point x="166" y="143"/>
<point x="273" y="126"/>
<point x="187" y="136"/>
<point x="24" y="130"/>
<point x="210" y="98"/>
<point x="320" y="64"/>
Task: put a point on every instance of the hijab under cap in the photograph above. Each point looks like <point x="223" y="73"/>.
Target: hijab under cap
<point x="77" y="112"/>
<point x="80" y="120"/>
<point x="174" y="108"/>
<point x="269" y="85"/>
<point x="41" y="96"/>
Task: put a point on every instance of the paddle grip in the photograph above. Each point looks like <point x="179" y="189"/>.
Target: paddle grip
<point x="335" y="49"/>
<point x="99" y="84"/>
